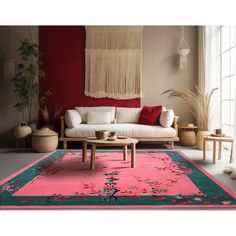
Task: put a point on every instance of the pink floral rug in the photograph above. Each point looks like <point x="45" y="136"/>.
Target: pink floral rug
<point x="165" y="179"/>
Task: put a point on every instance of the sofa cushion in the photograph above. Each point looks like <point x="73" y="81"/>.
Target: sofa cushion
<point x="167" y="118"/>
<point x="84" y="110"/>
<point x="127" y="115"/>
<point x="150" y="115"/>
<point x="96" y="117"/>
<point x="72" y="118"/>
<point x="129" y="130"/>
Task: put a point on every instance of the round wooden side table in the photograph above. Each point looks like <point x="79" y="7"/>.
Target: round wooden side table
<point x="220" y="140"/>
<point x="187" y="135"/>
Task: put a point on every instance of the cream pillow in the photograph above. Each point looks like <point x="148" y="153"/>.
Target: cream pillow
<point x="72" y="118"/>
<point x="127" y="115"/>
<point x="167" y="118"/>
<point x="83" y="111"/>
<point x="94" y="117"/>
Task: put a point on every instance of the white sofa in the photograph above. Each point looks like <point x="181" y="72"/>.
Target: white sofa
<point x="82" y="122"/>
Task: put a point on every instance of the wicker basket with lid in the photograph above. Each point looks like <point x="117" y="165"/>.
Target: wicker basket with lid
<point x="44" y="140"/>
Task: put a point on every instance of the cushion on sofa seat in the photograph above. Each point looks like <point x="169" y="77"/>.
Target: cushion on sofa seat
<point x="84" y="110"/>
<point x="129" y="130"/>
<point x="167" y="118"/>
<point x="150" y="115"/>
<point x="72" y="118"/>
<point x="96" y="117"/>
<point x="127" y="115"/>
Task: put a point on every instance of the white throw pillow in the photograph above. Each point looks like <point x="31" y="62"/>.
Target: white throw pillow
<point x="94" y="117"/>
<point x="127" y="115"/>
<point x="164" y="109"/>
<point x="167" y="118"/>
<point x="72" y="118"/>
<point x="84" y="110"/>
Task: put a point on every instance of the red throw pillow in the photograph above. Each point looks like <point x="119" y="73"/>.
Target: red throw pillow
<point x="150" y="115"/>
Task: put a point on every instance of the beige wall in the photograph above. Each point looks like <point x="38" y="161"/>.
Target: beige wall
<point x="10" y="38"/>
<point x="160" y="66"/>
<point x="160" y="71"/>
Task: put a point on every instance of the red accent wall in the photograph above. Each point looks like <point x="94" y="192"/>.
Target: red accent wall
<point x="64" y="65"/>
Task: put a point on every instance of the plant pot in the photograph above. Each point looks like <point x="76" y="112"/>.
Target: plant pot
<point x="22" y="130"/>
<point x="200" y="139"/>
<point x="51" y="127"/>
<point x="183" y="51"/>
<point x="44" y="140"/>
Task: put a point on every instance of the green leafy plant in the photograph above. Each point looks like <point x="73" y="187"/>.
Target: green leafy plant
<point x="26" y="79"/>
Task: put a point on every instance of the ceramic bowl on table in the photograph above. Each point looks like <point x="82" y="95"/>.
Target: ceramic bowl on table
<point x="101" y="134"/>
<point x="112" y="136"/>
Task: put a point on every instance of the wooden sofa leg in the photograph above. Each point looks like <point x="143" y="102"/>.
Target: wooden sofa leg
<point x="64" y="144"/>
<point x="172" y="144"/>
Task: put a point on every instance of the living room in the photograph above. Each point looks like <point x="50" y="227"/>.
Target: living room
<point x="117" y="116"/>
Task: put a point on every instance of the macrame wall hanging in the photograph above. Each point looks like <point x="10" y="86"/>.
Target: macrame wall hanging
<point x="113" y="61"/>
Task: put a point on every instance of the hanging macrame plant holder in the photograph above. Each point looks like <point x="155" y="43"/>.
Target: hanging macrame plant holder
<point x="183" y="51"/>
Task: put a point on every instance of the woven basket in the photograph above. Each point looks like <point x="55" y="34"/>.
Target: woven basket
<point x="44" y="140"/>
<point x="200" y="140"/>
<point x="187" y="138"/>
<point x="22" y="130"/>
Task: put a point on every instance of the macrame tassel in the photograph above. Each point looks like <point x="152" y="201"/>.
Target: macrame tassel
<point x="183" y="61"/>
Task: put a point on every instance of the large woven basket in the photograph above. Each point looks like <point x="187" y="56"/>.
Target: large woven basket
<point x="44" y="140"/>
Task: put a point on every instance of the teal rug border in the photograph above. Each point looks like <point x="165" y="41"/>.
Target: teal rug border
<point x="213" y="194"/>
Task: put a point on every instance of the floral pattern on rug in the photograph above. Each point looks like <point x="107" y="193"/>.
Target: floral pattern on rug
<point x="160" y="179"/>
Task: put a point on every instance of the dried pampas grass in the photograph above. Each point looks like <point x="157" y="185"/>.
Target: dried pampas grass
<point x="198" y="103"/>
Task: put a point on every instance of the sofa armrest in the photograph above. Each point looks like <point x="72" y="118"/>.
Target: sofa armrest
<point x="175" y="124"/>
<point x="62" y="118"/>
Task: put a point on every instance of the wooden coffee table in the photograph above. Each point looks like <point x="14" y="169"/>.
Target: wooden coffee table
<point x="93" y="142"/>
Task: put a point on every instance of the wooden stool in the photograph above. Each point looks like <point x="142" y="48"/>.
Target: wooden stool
<point x="187" y="135"/>
<point x="219" y="140"/>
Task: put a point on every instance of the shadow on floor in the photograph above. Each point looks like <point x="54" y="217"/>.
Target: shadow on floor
<point x="143" y="145"/>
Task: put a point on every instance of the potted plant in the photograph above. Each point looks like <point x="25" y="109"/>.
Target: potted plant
<point x="49" y="119"/>
<point x="198" y="104"/>
<point x="26" y="79"/>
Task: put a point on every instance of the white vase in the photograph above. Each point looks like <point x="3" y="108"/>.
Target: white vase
<point x="200" y="139"/>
